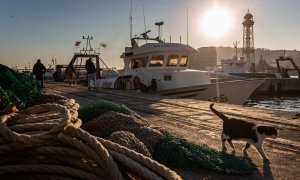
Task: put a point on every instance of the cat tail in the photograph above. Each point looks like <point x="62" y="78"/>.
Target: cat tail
<point x="221" y="115"/>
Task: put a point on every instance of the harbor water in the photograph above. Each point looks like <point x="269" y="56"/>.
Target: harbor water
<point x="289" y="103"/>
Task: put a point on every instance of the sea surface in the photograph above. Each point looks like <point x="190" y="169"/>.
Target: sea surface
<point x="283" y="103"/>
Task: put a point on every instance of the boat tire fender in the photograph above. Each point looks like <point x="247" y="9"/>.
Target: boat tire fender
<point x="136" y="82"/>
<point x="128" y="85"/>
<point x="119" y="84"/>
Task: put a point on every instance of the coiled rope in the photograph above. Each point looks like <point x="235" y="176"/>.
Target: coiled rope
<point x="46" y="141"/>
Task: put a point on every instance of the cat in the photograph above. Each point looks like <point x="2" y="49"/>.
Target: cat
<point x="236" y="129"/>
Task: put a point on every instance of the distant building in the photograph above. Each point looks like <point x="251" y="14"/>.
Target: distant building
<point x="207" y="57"/>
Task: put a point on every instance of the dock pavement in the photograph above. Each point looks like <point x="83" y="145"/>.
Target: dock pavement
<point x="193" y="120"/>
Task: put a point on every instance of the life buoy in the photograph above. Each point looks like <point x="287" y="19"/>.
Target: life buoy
<point x="223" y="98"/>
<point x="217" y="99"/>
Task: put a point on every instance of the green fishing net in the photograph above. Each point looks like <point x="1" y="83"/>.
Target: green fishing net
<point x="172" y="151"/>
<point x="177" y="152"/>
<point x="17" y="87"/>
<point x="99" y="107"/>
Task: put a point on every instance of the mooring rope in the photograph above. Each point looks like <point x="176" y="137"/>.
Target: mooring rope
<point x="46" y="140"/>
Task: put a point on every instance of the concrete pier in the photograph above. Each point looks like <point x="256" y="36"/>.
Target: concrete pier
<point x="193" y="120"/>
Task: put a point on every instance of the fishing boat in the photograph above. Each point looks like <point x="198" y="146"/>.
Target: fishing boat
<point x="235" y="68"/>
<point x="163" y="68"/>
<point x="279" y="81"/>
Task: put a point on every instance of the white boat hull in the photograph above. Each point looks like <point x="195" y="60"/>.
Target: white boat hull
<point x="234" y="92"/>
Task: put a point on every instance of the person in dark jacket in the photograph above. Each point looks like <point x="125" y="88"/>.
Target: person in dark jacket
<point x="39" y="71"/>
<point x="91" y="72"/>
<point x="57" y="75"/>
<point x="70" y="72"/>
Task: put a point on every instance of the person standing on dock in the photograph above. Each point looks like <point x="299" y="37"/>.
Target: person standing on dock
<point x="70" y="71"/>
<point x="57" y="75"/>
<point x="91" y="69"/>
<point x="39" y="71"/>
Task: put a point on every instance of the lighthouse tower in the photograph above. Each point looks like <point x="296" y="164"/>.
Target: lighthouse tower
<point x="248" y="41"/>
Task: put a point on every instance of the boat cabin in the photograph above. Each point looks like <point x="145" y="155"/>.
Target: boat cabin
<point x="164" y="64"/>
<point x="156" y="66"/>
<point x="156" y="55"/>
<point x="172" y="60"/>
<point x="232" y="63"/>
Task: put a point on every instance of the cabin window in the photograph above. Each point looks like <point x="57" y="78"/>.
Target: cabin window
<point x="156" y="61"/>
<point x="183" y="61"/>
<point x="167" y="77"/>
<point x="172" y="60"/>
<point x="138" y="62"/>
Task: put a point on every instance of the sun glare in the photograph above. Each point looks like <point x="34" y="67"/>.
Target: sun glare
<point x="216" y="22"/>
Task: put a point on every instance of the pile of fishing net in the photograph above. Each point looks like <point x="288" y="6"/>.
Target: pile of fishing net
<point x="17" y="87"/>
<point x="45" y="141"/>
<point x="122" y="125"/>
<point x="176" y="152"/>
<point x="109" y="123"/>
<point x="97" y="108"/>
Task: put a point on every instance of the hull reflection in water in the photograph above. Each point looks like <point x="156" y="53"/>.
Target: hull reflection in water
<point x="283" y="103"/>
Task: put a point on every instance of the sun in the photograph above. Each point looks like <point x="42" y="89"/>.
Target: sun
<point x="216" y="22"/>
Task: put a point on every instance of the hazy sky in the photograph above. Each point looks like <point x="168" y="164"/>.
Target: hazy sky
<point x="32" y="29"/>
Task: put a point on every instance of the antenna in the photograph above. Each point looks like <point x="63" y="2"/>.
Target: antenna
<point x="145" y="21"/>
<point x="170" y="26"/>
<point x="144" y="16"/>
<point x="88" y="49"/>
<point x="159" y="30"/>
<point x="187" y="26"/>
<point x="130" y="20"/>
